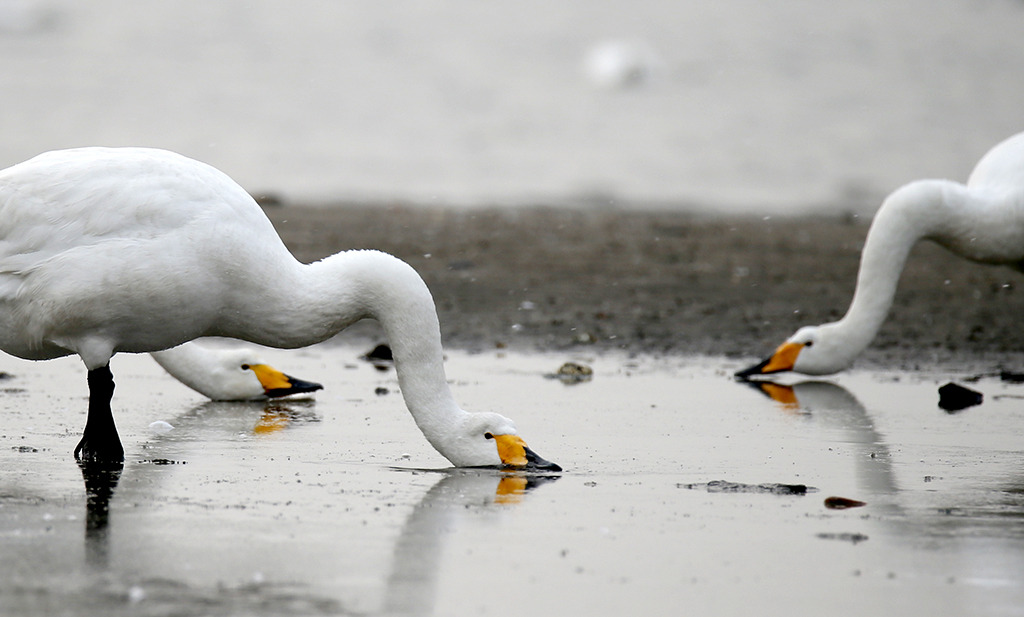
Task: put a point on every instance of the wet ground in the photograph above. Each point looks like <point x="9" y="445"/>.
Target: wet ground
<point x="338" y="505"/>
<point x="669" y="282"/>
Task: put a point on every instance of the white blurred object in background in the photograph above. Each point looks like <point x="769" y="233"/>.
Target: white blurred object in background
<point x="622" y="64"/>
<point x="23" y="16"/>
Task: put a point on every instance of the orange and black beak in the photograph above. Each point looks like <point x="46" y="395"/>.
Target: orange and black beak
<point x="782" y="359"/>
<point x="277" y="384"/>
<point x="515" y="454"/>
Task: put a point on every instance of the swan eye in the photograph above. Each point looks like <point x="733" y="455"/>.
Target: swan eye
<point x="488" y="436"/>
<point x="245" y="367"/>
<point x="809" y="344"/>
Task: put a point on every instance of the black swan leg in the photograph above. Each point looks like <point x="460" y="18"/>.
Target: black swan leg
<point x="100" y="442"/>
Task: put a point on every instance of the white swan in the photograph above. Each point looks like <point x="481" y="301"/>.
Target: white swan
<point x="106" y="250"/>
<point x="982" y="221"/>
<point x="231" y="374"/>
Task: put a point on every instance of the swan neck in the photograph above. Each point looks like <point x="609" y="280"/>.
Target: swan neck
<point x="384" y="288"/>
<point x="915" y="211"/>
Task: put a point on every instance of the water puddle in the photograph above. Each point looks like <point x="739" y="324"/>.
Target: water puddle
<point x="679" y="490"/>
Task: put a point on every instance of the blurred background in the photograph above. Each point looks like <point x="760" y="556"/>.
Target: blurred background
<point x="723" y="105"/>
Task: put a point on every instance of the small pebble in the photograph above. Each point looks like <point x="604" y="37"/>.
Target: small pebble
<point x="954" y="397"/>
<point x="573" y="372"/>
<point x="842" y="503"/>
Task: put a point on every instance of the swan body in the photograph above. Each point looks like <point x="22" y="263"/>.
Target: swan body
<point x="233" y="374"/>
<point x="982" y="220"/>
<point x="107" y="250"/>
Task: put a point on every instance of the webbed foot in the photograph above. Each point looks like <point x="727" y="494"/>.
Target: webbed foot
<point x="97" y="448"/>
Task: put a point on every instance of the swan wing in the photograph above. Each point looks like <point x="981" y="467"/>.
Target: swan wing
<point x="126" y="247"/>
<point x="67" y="200"/>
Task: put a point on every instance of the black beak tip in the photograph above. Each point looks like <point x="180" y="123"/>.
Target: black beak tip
<point x="548" y="466"/>
<point x="295" y="386"/>
<point x="756" y="369"/>
<point x="535" y="462"/>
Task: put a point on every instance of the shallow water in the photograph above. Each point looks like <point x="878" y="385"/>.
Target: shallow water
<point x="339" y="506"/>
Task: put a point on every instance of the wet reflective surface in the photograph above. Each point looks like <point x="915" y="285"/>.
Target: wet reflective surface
<point x="338" y="505"/>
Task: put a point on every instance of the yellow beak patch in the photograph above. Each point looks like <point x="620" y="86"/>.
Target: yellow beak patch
<point x="511" y="449"/>
<point x="784" y="358"/>
<point x="270" y="378"/>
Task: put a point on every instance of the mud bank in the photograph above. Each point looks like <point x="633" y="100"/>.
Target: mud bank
<point x="668" y="282"/>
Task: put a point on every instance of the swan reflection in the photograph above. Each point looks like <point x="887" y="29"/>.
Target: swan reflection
<point x="911" y="510"/>
<point x="835" y="407"/>
<point x="455" y="499"/>
<point x="101" y="478"/>
<point x="416" y="565"/>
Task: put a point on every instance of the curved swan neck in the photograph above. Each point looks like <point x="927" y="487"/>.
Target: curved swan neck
<point x="378" y="286"/>
<point x="922" y="209"/>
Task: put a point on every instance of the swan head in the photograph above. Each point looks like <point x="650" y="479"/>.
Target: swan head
<point x="812" y="350"/>
<point x="489" y="440"/>
<point x="276" y="384"/>
<point x="240" y="376"/>
<point x="235" y="374"/>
